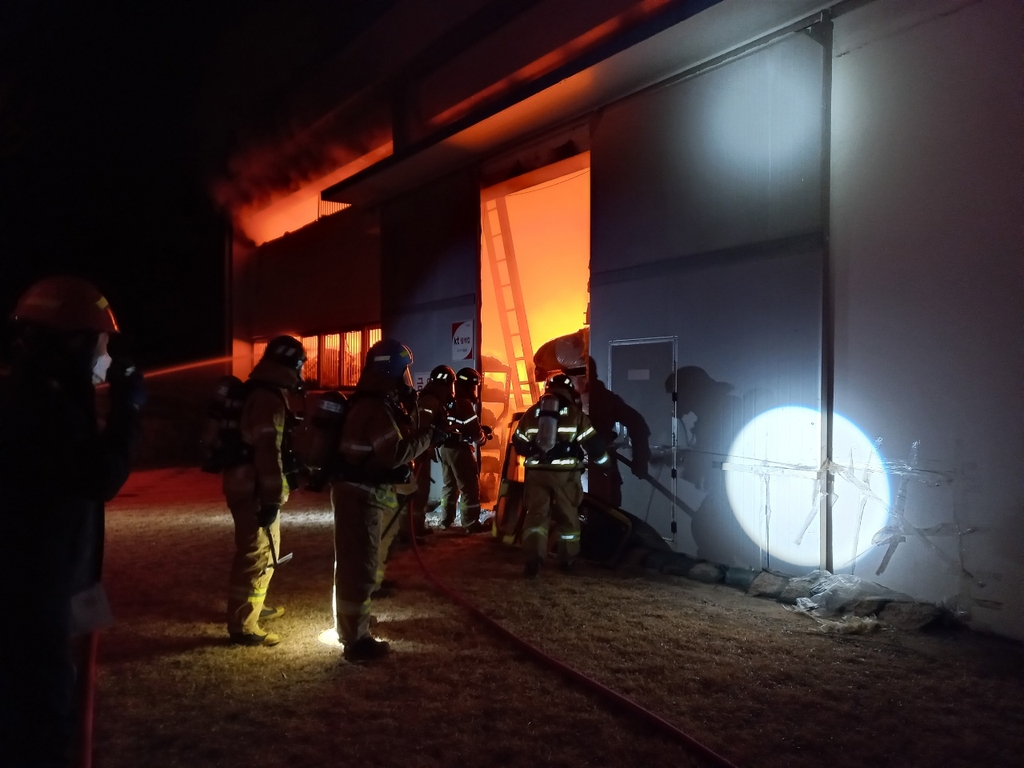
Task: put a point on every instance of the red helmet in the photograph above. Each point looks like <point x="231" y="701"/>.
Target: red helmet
<point x="66" y="303"/>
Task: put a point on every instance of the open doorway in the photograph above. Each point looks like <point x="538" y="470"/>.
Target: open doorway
<point x="535" y="275"/>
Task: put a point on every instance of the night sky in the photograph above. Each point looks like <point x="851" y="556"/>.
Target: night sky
<point x="112" y="127"/>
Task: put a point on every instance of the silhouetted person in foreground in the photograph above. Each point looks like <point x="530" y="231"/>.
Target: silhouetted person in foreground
<point x="57" y="468"/>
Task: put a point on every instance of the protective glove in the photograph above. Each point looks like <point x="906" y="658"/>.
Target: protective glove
<point x="438" y="436"/>
<point x="127" y="389"/>
<point x="267" y="515"/>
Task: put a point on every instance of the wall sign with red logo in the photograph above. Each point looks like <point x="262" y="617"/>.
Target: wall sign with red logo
<point x="462" y="340"/>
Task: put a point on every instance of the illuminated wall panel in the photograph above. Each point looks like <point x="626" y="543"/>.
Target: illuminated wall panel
<point x="430" y="242"/>
<point x="707" y="227"/>
<point x="927" y="205"/>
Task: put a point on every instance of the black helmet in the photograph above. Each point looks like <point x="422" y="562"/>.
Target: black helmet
<point x="286" y="351"/>
<point x="559" y="381"/>
<point x="442" y="373"/>
<point x="468" y="376"/>
<point x="390" y="358"/>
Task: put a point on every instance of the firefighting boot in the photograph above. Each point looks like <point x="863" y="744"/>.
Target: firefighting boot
<point x="567" y="565"/>
<point x="271" y="613"/>
<point x="366" y="648"/>
<point x="252" y="639"/>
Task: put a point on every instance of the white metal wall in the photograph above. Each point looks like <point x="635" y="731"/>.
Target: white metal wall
<point x="927" y="205"/>
<point x="707" y="227"/>
<point x="431" y="268"/>
<point x="431" y="274"/>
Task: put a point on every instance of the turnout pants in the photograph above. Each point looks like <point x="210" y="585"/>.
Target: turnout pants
<point x="391" y="523"/>
<point x="247" y="586"/>
<point x="551" y="494"/>
<point x="358" y="511"/>
<point x="461" y="477"/>
<point x="418" y="503"/>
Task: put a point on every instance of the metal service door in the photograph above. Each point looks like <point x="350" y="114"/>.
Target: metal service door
<point x="642" y="372"/>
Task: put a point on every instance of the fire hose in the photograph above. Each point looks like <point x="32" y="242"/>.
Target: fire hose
<point x="573" y="674"/>
<point x="86" y="699"/>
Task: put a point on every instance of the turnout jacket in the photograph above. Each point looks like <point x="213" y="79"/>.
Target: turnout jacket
<point x="575" y="436"/>
<point x="378" y="440"/>
<point x="464" y="422"/>
<point x="263" y="425"/>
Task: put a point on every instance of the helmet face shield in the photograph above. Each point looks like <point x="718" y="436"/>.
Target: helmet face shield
<point x="100" y="359"/>
<point x="407" y="379"/>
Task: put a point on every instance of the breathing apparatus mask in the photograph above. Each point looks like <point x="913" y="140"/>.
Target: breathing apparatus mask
<point x="101" y="360"/>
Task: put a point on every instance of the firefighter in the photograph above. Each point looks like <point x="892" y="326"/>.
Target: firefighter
<point x="377" y="448"/>
<point x="394" y="522"/>
<point x="553" y="437"/>
<point x="57" y="468"/>
<point x="256" y="487"/>
<point x="460" y="471"/>
<point x="431" y="409"/>
<point x="606" y="409"/>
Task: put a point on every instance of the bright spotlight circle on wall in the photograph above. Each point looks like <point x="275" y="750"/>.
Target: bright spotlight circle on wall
<point x="771" y="480"/>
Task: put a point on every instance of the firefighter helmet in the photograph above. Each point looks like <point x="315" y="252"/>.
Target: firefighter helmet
<point x="286" y="351"/>
<point x="442" y="373"/>
<point x="66" y="303"/>
<point x="390" y="358"/>
<point x="466" y="382"/>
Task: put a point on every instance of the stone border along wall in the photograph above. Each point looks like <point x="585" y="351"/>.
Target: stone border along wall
<point x="899" y="614"/>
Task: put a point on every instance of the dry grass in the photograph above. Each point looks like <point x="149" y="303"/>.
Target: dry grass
<point x="758" y="684"/>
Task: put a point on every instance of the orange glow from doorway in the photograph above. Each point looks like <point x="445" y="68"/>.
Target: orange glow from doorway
<point x="549" y="224"/>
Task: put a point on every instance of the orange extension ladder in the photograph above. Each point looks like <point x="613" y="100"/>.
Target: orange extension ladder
<point x="509" y="296"/>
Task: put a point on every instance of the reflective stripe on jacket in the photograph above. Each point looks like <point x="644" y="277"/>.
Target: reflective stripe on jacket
<point x="574" y="432"/>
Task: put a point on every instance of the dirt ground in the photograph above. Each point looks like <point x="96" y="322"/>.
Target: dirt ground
<point x="752" y="681"/>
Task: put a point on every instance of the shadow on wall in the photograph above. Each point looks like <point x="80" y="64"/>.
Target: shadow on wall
<point x="710" y="417"/>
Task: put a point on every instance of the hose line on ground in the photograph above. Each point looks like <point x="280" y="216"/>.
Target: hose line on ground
<point x="573" y="674"/>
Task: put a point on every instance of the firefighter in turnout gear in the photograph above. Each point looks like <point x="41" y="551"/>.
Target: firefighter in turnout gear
<point x="553" y="436"/>
<point x="460" y="471"/>
<point x="256" y="485"/>
<point x="431" y="410"/>
<point x="377" y="448"/>
<point x="58" y="468"/>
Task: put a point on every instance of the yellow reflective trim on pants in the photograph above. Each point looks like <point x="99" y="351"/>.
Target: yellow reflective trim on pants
<point x="569" y="537"/>
<point x="538" y="531"/>
<point x="248" y="595"/>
